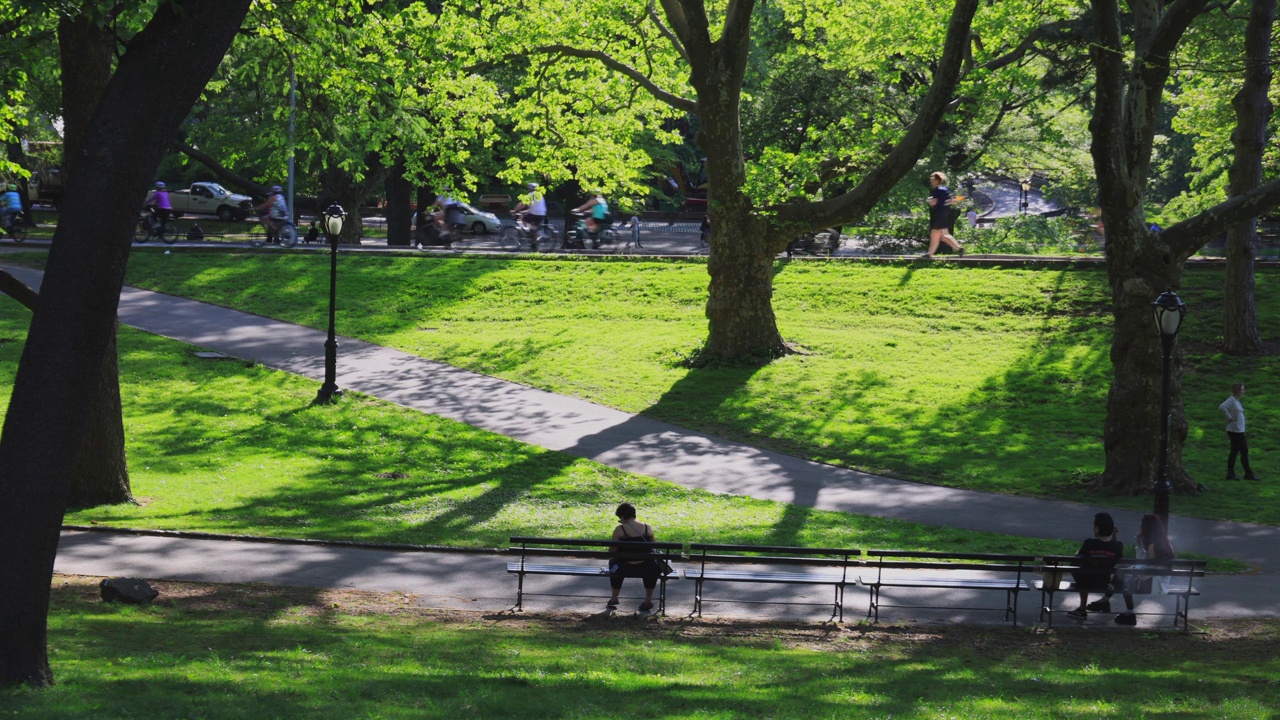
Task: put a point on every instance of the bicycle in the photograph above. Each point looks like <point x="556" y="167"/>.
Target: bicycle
<point x="517" y="236"/>
<point x="285" y="236"/>
<point x="16" y="228"/>
<point x="152" y="227"/>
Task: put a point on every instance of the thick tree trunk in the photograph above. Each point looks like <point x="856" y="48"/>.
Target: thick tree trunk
<point x="399" y="214"/>
<point x="1253" y="110"/>
<point x="75" y="317"/>
<point x="1139" y="269"/>
<point x="340" y="187"/>
<point x="101" y="475"/>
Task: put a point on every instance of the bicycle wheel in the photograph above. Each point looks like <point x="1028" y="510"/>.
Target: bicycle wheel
<point x="18" y="232"/>
<point x="257" y="240"/>
<point x="168" y="232"/>
<point x="141" y="232"/>
<point x="543" y="242"/>
<point x="510" y="239"/>
<point x="288" y="234"/>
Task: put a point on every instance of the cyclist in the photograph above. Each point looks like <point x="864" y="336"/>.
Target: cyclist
<point x="274" y="211"/>
<point x="533" y="214"/>
<point x="158" y="201"/>
<point x="10" y="206"/>
<point x="597" y="209"/>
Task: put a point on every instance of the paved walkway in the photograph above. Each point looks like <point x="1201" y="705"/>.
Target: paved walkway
<point x="661" y="450"/>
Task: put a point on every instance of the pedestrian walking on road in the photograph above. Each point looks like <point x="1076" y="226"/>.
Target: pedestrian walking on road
<point x="1233" y="410"/>
<point x="631" y="530"/>
<point x="941" y="215"/>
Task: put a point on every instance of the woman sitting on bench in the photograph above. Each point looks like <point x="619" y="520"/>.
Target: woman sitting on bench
<point x="630" y="530"/>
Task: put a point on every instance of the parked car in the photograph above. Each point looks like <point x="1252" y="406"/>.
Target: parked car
<point x="478" y="221"/>
<point x="210" y="198"/>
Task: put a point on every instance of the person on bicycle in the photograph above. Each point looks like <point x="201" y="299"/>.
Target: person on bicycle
<point x="158" y="202"/>
<point x="533" y="214"/>
<point x="274" y="211"/>
<point x="10" y="206"/>
<point x="597" y="209"/>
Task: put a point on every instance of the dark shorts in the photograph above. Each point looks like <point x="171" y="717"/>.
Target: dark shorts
<point x="646" y="570"/>
<point x="1092" y="581"/>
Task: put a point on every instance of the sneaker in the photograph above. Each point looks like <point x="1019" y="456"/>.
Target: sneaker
<point x="1103" y="605"/>
<point x="646" y="606"/>
<point x="1126" y="619"/>
<point x="1078" y="613"/>
<point x="960" y="251"/>
<point x="1253" y="478"/>
<point x="613" y="602"/>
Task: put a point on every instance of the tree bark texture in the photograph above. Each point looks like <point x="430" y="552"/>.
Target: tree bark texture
<point x="399" y="215"/>
<point x="1140" y="264"/>
<point x="1142" y="270"/>
<point x="76" y="312"/>
<point x="86" y="51"/>
<point x="1253" y="110"/>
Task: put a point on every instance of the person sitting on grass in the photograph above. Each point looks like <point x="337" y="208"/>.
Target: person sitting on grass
<point x="1099" y="555"/>
<point x="630" y="530"/>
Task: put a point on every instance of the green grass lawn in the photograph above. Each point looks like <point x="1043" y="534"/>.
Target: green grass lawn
<point x="985" y="378"/>
<point x="230" y="652"/>
<point x="218" y="446"/>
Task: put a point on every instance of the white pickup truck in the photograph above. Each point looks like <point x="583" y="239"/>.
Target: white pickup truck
<point x="210" y="198"/>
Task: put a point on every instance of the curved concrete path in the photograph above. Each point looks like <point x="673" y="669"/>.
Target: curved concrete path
<point x="649" y="447"/>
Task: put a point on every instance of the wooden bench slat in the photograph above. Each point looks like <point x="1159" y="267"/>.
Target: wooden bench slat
<point x="766" y="577"/>
<point x="557" y="569"/>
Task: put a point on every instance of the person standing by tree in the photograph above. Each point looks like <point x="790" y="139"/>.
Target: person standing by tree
<point x="940" y="215"/>
<point x="1233" y="410"/>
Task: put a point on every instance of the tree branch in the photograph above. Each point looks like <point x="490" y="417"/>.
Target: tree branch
<point x="857" y="202"/>
<point x="18" y="290"/>
<point x="667" y="32"/>
<point x="675" y="101"/>
<point x="1188" y="236"/>
<point x="223" y="174"/>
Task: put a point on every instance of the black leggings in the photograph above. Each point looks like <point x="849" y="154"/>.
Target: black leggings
<point x="1239" y="446"/>
<point x="646" y="570"/>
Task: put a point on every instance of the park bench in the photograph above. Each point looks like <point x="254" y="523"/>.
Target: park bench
<point x="577" y="557"/>
<point x="918" y="569"/>
<point x="770" y="564"/>
<point x="1056" y="578"/>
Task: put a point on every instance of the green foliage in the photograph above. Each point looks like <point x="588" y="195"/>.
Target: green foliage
<point x="1031" y="235"/>
<point x="985" y="378"/>
<point x="253" y="652"/>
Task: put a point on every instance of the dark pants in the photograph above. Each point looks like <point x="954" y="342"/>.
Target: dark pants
<point x="1239" y="446"/>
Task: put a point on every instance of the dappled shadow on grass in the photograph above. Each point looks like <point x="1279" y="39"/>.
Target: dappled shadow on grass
<point x="300" y="658"/>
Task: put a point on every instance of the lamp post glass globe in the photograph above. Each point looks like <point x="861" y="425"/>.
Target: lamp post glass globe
<point x="1169" y="311"/>
<point x="333" y="218"/>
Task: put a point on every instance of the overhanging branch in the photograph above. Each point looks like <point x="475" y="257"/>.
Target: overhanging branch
<point x="670" y="98"/>
<point x="1188" y="236"/>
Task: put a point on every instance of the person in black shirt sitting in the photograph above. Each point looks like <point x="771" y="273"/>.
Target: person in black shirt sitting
<point x="1099" y="554"/>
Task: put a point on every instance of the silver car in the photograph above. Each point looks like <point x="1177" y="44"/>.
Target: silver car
<point x="477" y="221"/>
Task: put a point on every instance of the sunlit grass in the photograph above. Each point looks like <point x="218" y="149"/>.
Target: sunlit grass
<point x="984" y="378"/>
<point x="219" y="446"/>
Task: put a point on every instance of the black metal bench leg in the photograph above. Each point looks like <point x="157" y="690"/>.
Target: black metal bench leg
<point x="697" y="597"/>
<point x="520" y="592"/>
<point x="839" y="609"/>
<point x="662" y="595"/>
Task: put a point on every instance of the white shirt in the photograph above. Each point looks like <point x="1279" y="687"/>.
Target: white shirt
<point x="538" y="207"/>
<point x="1234" y="413"/>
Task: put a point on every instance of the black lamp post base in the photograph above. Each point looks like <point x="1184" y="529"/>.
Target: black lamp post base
<point x="327" y="394"/>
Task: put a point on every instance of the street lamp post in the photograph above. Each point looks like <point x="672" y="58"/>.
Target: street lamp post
<point x="1026" y="195"/>
<point x="1169" y="311"/>
<point x="333" y="217"/>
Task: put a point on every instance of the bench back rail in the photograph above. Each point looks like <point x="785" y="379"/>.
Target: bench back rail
<point x="922" y="569"/>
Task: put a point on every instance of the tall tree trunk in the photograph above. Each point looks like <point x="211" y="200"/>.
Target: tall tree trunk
<point x="1253" y="111"/>
<point x="76" y="313"/>
<point x="1139" y="269"/>
<point x="101" y="475"/>
<point x="399" y="215"/>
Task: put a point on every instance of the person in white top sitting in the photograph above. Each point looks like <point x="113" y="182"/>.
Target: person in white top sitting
<point x="1234" y="412"/>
